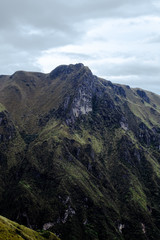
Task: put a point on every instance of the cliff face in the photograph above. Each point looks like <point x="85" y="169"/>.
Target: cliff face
<point x="80" y="155"/>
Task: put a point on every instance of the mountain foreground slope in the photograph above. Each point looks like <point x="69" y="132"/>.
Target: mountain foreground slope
<point x="79" y="155"/>
<point x="10" y="230"/>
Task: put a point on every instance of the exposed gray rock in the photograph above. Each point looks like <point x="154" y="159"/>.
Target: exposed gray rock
<point x="124" y="123"/>
<point x="81" y="103"/>
<point x="69" y="212"/>
<point x="120" y="227"/>
<point x="48" y="225"/>
<point x="143" y="228"/>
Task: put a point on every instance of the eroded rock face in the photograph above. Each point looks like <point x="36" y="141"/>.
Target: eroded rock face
<point x="82" y="104"/>
<point x="82" y="101"/>
<point x="124" y="123"/>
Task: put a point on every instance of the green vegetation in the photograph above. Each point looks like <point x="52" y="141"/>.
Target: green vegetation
<point x="2" y="108"/>
<point x="79" y="156"/>
<point x="11" y="230"/>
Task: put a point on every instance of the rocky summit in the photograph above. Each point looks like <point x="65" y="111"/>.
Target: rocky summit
<point x="79" y="155"/>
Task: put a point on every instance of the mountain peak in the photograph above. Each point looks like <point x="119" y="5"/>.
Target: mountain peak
<point x="66" y="69"/>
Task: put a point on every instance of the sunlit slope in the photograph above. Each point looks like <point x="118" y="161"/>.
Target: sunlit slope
<point x="10" y="230"/>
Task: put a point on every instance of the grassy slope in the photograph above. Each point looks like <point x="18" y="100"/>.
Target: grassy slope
<point x="11" y="230"/>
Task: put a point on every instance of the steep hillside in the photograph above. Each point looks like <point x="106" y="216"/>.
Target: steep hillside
<point x="79" y="155"/>
<point x="10" y="230"/>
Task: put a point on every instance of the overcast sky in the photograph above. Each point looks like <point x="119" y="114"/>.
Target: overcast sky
<point x="118" y="39"/>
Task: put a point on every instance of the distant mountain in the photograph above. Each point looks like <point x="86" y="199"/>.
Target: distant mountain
<point x="79" y="155"/>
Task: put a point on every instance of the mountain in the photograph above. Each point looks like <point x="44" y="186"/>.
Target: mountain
<point x="79" y="155"/>
<point x="11" y="230"/>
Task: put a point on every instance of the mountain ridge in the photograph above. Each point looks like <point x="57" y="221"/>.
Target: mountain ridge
<point x="79" y="154"/>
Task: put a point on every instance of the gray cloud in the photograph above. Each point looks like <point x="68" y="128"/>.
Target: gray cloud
<point x="154" y="39"/>
<point x="51" y="13"/>
<point x="31" y="30"/>
<point x="148" y="83"/>
<point x="132" y="69"/>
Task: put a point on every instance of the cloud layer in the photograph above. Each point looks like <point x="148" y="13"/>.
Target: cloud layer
<point x="117" y="39"/>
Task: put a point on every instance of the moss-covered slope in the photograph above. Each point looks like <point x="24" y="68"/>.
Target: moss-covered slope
<point x="10" y="230"/>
